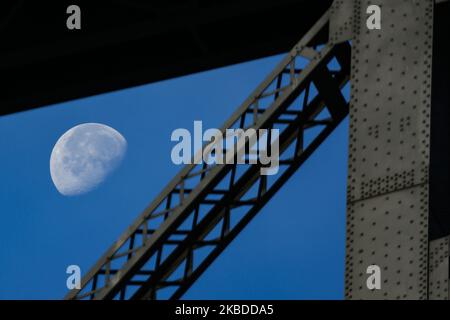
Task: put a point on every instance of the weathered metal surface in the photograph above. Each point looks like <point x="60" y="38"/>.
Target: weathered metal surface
<point x="389" y="150"/>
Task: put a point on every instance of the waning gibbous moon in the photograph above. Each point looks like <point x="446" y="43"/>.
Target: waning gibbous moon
<point x="85" y="156"/>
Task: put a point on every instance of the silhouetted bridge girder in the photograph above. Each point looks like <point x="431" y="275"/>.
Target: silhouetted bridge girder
<point x="133" y="42"/>
<point x="206" y="206"/>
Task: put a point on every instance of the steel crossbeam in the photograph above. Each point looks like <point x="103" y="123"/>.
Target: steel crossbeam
<point x="206" y="206"/>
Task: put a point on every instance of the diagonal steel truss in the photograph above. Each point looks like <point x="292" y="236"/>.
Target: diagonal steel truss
<point x="206" y="206"/>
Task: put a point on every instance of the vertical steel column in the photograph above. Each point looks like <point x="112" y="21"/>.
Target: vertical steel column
<point x="388" y="183"/>
<point x="439" y="269"/>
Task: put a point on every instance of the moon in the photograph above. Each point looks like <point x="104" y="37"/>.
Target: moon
<point x="84" y="157"/>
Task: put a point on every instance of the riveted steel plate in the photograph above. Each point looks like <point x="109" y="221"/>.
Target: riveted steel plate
<point x="391" y="97"/>
<point x="385" y="231"/>
<point x="439" y="269"/>
<point x="341" y="20"/>
<point x="389" y="150"/>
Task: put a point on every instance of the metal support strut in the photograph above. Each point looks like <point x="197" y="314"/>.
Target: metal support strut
<point x="206" y="206"/>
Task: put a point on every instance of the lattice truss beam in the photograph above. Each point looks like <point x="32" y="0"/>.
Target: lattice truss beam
<point x="206" y="206"/>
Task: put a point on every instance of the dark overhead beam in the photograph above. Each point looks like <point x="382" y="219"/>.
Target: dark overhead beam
<point x="123" y="45"/>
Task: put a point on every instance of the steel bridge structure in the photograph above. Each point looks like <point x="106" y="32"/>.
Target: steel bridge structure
<point x="398" y="216"/>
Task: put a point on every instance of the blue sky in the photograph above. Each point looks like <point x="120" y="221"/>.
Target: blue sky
<point x="293" y="249"/>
